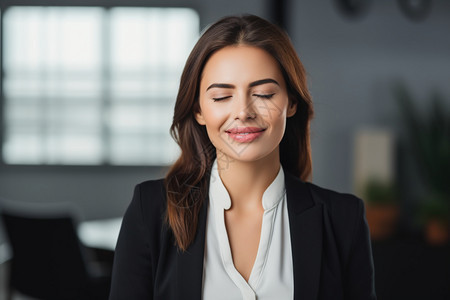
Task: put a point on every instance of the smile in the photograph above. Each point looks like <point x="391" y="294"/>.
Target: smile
<point x="245" y="134"/>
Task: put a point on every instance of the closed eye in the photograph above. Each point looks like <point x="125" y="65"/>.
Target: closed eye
<point x="264" y="96"/>
<point x="221" y="98"/>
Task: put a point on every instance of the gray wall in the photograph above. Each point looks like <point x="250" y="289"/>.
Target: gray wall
<point x="351" y="65"/>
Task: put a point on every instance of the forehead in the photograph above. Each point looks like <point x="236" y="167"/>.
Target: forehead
<point x="240" y="64"/>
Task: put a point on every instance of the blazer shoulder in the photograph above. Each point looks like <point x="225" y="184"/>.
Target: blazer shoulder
<point x="152" y="184"/>
<point x="345" y="213"/>
<point x="155" y="186"/>
<point x="151" y="195"/>
<point x="336" y="202"/>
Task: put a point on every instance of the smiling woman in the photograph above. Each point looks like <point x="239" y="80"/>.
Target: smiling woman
<point x="244" y="103"/>
<point x="235" y="217"/>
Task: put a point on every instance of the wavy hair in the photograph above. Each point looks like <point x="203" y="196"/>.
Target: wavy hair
<point x="187" y="181"/>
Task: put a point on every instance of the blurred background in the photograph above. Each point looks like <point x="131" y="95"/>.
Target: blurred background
<point x="87" y="90"/>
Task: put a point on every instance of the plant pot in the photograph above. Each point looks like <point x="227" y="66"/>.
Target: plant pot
<point x="436" y="232"/>
<point x="382" y="220"/>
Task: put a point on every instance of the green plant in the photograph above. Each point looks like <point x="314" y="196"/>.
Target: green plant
<point x="428" y="136"/>
<point x="435" y="207"/>
<point x="377" y="192"/>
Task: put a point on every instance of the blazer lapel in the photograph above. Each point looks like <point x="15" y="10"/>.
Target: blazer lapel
<point x="305" y="221"/>
<point x="190" y="263"/>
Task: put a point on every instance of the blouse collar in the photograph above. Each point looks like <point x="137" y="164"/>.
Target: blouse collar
<point x="271" y="197"/>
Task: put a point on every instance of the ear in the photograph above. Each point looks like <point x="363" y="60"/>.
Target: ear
<point x="199" y="117"/>
<point x="292" y="109"/>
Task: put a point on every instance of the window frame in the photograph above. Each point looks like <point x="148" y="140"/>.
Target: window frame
<point x="104" y="4"/>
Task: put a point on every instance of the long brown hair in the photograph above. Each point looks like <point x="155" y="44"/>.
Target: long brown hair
<point x="187" y="182"/>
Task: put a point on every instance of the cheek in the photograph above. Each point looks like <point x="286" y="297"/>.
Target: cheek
<point x="273" y="112"/>
<point x="280" y="126"/>
<point x="276" y="115"/>
<point x="214" y="117"/>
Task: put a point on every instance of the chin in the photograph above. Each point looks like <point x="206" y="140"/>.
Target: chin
<point x="245" y="153"/>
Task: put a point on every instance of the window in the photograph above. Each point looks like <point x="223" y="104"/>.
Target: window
<point x="90" y="85"/>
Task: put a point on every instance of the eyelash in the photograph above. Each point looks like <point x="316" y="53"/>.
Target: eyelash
<point x="221" y="98"/>
<point x="263" y="96"/>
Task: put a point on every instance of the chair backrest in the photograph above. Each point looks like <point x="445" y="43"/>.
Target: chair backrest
<point x="48" y="260"/>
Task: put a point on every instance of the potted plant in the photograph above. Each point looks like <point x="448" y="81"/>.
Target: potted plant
<point x="382" y="208"/>
<point x="435" y="215"/>
<point x="429" y="140"/>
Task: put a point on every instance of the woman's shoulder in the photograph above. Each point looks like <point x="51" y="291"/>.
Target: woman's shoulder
<point x="152" y="186"/>
<point x="344" y="211"/>
<point x="151" y="196"/>
<point x="331" y="199"/>
<point x="334" y="200"/>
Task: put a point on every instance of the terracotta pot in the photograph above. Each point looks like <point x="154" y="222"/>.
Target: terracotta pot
<point x="436" y="232"/>
<point x="382" y="220"/>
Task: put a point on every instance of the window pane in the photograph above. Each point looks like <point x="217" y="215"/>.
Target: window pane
<point x="52" y="39"/>
<point x="86" y="85"/>
<point x="149" y="48"/>
<point x="23" y="147"/>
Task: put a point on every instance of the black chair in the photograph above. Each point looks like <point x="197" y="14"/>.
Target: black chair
<point x="49" y="262"/>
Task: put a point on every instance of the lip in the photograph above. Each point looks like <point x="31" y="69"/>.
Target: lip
<point x="245" y="134"/>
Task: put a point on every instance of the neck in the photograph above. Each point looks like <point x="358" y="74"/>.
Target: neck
<point x="247" y="181"/>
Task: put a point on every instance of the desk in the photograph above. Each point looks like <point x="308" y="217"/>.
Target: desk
<point x="100" y="234"/>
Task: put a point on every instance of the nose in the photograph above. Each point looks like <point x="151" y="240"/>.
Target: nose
<point x="245" y="109"/>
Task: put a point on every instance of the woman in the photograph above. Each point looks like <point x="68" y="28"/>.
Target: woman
<point x="235" y="218"/>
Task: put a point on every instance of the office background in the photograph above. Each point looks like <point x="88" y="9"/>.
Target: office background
<point x="355" y="57"/>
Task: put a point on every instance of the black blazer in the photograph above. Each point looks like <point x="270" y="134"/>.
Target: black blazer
<point x="330" y="242"/>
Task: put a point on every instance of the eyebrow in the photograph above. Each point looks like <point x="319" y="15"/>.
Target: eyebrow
<point x="263" y="81"/>
<point x="252" y="84"/>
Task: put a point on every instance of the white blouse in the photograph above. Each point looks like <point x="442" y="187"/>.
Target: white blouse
<point x="272" y="273"/>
